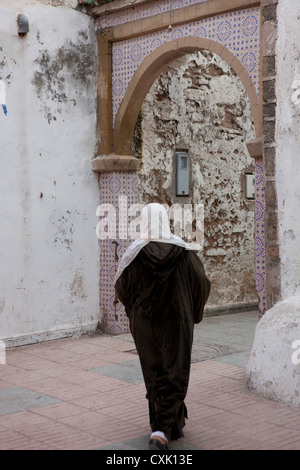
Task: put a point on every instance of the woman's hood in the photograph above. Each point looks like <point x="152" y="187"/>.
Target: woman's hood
<point x="161" y="258"/>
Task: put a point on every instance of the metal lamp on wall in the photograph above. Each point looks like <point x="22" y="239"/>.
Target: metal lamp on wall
<point x="23" y="24"/>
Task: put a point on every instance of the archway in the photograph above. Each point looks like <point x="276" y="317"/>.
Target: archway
<point x="198" y="103"/>
<point x="150" y="69"/>
<point x="131" y="59"/>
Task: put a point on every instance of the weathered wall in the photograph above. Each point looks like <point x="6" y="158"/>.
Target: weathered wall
<point x="199" y="104"/>
<point x="287" y="138"/>
<point x="273" y="368"/>
<point x="49" y="194"/>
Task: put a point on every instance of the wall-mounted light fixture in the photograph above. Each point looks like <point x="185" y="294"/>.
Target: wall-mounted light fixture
<point x="250" y="186"/>
<point x="23" y="24"/>
<point x="182" y="172"/>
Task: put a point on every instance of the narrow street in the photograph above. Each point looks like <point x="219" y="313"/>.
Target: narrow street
<point x="88" y="393"/>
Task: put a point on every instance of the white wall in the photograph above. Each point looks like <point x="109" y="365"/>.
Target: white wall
<point x="273" y="368"/>
<point x="49" y="194"/>
<point x="288" y="143"/>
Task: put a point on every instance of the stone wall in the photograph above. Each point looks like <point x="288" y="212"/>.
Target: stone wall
<point x="200" y="105"/>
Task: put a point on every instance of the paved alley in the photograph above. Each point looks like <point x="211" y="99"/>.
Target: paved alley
<point x="87" y="393"/>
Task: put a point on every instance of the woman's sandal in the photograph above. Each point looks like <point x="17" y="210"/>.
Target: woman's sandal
<point x="155" y="444"/>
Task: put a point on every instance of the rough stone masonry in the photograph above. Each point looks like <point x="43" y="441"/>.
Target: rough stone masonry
<point x="199" y="104"/>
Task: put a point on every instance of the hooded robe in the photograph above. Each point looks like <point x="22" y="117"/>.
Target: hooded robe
<point x="164" y="289"/>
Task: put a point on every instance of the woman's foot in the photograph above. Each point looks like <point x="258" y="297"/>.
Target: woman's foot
<point x="158" y="441"/>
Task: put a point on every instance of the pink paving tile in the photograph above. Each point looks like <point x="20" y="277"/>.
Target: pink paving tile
<point x="263" y="409"/>
<point x="74" y="440"/>
<point x="47" y="431"/>
<point x="45" y="385"/>
<point x="124" y="433"/>
<point x="132" y="413"/>
<point x="71" y="392"/>
<point x="90" y="421"/>
<point x="131" y="409"/>
<point x="220" y="369"/>
<point x="96" y="401"/>
<point x="214" y="438"/>
<point x="227" y="401"/>
<point x="15" y="357"/>
<point x="59" y="411"/>
<point x="198" y="377"/>
<point x="100" y="410"/>
<point x="202" y="436"/>
<point x="109" y="342"/>
<point x="257" y="430"/>
<point x="227" y="421"/>
<point x="203" y="395"/>
<point x="24" y="378"/>
<point x="104" y="426"/>
<point x="130" y="392"/>
<point x="11" y="440"/>
<point x="110" y="384"/>
<point x="231" y="441"/>
<point x="289" y="445"/>
<point x="6" y="370"/>
<point x="81" y="377"/>
<point x="289" y="419"/>
<point x="218" y="383"/>
<point x="56" y="370"/>
<point x="278" y="435"/>
<point x="24" y="421"/>
<point x="199" y="411"/>
<point x="78" y="346"/>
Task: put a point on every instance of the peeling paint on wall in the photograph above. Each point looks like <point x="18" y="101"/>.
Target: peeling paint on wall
<point x="49" y="192"/>
<point x="199" y="104"/>
<point x="70" y="63"/>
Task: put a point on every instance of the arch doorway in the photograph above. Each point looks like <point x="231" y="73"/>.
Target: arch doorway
<point x="151" y="68"/>
<point x="121" y="103"/>
<point x="199" y="104"/>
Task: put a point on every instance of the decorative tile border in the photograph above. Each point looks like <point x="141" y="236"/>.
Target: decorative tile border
<point x="112" y="186"/>
<point x="260" y="237"/>
<point x="238" y="31"/>
<point x="143" y="11"/>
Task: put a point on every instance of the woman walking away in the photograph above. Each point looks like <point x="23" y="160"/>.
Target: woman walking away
<point x="162" y="284"/>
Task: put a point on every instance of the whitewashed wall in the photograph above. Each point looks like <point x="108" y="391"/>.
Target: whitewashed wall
<point x="49" y="194"/>
<point x="288" y="143"/>
<point x="273" y="369"/>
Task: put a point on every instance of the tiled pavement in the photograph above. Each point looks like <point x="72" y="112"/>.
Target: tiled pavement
<point x="87" y="393"/>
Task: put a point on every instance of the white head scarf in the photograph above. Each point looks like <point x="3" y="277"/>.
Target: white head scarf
<point x="155" y="227"/>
